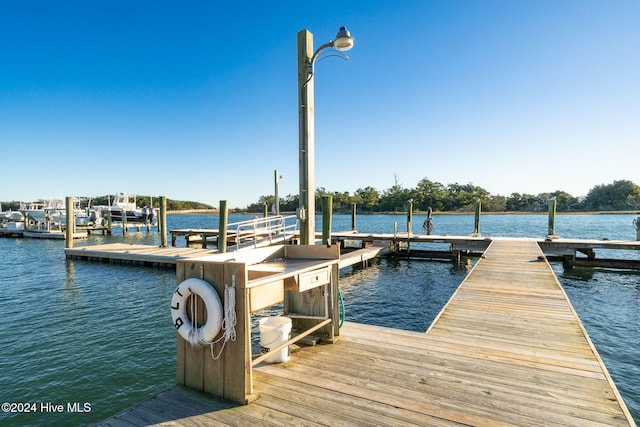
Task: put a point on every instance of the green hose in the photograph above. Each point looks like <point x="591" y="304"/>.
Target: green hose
<point x="342" y="311"/>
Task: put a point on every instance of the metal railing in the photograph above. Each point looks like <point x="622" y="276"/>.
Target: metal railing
<point x="263" y="231"/>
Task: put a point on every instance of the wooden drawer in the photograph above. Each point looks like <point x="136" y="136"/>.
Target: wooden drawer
<point x="309" y="280"/>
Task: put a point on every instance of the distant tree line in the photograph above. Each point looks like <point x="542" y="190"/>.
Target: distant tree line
<point x="620" y="196"/>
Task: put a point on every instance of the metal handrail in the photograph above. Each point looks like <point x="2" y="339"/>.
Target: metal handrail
<point x="259" y="229"/>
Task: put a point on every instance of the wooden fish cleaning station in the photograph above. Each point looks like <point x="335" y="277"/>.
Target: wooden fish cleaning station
<point x="507" y="349"/>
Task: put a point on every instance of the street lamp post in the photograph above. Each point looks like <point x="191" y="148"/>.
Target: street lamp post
<point x="306" y="61"/>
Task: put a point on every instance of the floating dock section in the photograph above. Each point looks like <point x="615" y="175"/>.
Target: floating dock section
<point x="135" y="253"/>
<point x="507" y="349"/>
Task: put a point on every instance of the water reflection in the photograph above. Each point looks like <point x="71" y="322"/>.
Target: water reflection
<point x="71" y="272"/>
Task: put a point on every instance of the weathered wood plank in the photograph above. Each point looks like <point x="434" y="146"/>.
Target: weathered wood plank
<point x="406" y="398"/>
<point x="434" y="381"/>
<point x="437" y="363"/>
<point x="366" y="410"/>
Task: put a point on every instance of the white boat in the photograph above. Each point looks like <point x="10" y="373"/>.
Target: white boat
<point x="10" y="215"/>
<point x="125" y="204"/>
<point x="42" y="215"/>
<point x="52" y="213"/>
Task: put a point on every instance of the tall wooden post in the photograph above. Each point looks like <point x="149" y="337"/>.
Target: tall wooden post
<point x="353" y="217"/>
<point x="327" y="216"/>
<point x="71" y="222"/>
<point x="409" y="224"/>
<point x="162" y="221"/>
<point x="223" y="218"/>
<point x="109" y="222"/>
<point x="552" y="217"/>
<point x="265" y="212"/>
<point x="306" y="139"/>
<point x="124" y="221"/>
<point x="476" y="223"/>
<point x="409" y="217"/>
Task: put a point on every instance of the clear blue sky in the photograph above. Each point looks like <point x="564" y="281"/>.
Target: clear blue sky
<point x="197" y="100"/>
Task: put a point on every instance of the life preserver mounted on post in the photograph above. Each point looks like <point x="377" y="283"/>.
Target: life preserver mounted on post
<point x="204" y="334"/>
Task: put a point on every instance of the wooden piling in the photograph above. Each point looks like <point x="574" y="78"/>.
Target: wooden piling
<point x="409" y="224"/>
<point x="124" y="222"/>
<point x="222" y="228"/>
<point x="327" y="216"/>
<point x="162" y="221"/>
<point x="109" y="222"/>
<point x="552" y="217"/>
<point x="70" y="222"/>
<point x="476" y="223"/>
<point x="353" y="217"/>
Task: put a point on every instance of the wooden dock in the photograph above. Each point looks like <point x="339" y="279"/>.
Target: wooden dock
<point x="507" y="349"/>
<point x="572" y="252"/>
<point x="377" y="244"/>
<point x="54" y="235"/>
<point x="513" y="321"/>
<point x="467" y="243"/>
<point x="359" y="257"/>
<point x="373" y="245"/>
<point x="137" y="254"/>
<point x="153" y="255"/>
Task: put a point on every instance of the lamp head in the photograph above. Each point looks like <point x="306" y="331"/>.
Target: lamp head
<point x="343" y="40"/>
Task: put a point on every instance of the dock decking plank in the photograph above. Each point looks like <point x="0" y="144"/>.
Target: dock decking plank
<point x="460" y="368"/>
<point x="445" y="392"/>
<point x="366" y="410"/>
<point x="360" y="383"/>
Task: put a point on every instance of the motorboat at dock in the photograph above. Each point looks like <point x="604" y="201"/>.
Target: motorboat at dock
<point x="124" y="206"/>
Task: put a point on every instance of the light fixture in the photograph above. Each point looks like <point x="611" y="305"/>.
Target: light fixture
<point x="343" y="40"/>
<point x="342" y="43"/>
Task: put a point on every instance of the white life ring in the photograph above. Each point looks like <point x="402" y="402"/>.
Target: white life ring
<point x="204" y="334"/>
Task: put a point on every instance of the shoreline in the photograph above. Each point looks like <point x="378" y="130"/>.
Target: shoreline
<point x="192" y="211"/>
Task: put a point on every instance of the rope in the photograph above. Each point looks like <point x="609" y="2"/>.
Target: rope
<point x="229" y="320"/>
<point x="195" y="338"/>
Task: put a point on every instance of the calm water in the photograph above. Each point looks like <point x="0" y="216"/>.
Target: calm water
<point x="96" y="338"/>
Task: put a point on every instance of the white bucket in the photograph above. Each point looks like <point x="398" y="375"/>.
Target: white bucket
<point x="275" y="331"/>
